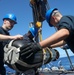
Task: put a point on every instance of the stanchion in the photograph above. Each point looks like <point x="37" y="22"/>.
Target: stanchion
<point x="71" y="65"/>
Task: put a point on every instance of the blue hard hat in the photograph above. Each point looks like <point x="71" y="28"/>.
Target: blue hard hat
<point x="34" y="31"/>
<point x="11" y="17"/>
<point x="48" y="15"/>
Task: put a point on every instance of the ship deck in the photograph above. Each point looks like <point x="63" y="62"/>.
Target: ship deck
<point x="57" y="73"/>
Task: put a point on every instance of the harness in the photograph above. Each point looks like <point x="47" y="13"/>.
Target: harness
<point x="13" y="59"/>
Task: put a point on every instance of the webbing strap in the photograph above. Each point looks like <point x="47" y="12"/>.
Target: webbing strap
<point x="15" y="68"/>
<point x="27" y="65"/>
<point x="11" y="53"/>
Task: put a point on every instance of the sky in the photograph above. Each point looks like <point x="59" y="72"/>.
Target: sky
<point x="23" y="12"/>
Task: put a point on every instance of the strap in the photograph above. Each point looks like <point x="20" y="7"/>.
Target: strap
<point x="11" y="53"/>
<point x="15" y="68"/>
<point x="27" y="65"/>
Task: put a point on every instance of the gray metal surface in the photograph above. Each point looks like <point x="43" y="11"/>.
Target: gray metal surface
<point x="57" y="73"/>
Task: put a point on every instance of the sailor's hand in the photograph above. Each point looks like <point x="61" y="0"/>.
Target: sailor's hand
<point x="17" y="37"/>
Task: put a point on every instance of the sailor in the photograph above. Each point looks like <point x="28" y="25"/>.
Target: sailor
<point x="30" y="37"/>
<point x="9" y="21"/>
<point x="64" y="34"/>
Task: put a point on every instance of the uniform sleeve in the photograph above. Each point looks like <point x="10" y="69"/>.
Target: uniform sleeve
<point x="67" y="24"/>
<point x="0" y="30"/>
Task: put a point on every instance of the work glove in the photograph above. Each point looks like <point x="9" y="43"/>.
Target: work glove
<point x="29" y="49"/>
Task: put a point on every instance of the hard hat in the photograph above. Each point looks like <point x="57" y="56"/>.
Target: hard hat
<point x="34" y="31"/>
<point x="11" y="17"/>
<point x="48" y="15"/>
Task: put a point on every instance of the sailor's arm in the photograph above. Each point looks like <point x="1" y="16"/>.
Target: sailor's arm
<point x="59" y="44"/>
<point x="8" y="37"/>
<point x="55" y="38"/>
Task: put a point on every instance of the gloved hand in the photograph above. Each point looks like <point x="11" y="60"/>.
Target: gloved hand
<point x="30" y="48"/>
